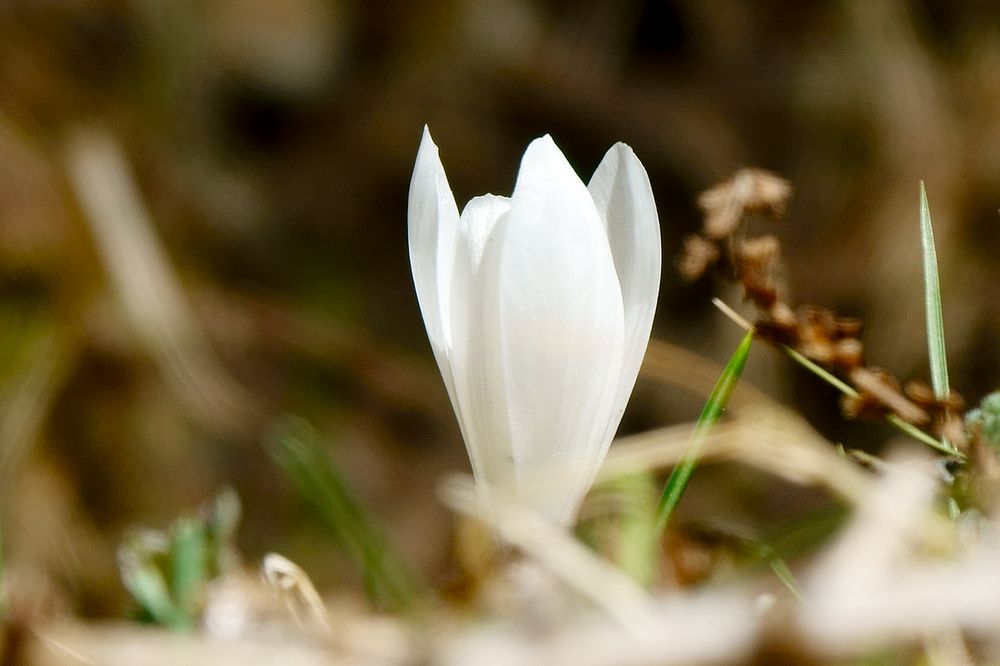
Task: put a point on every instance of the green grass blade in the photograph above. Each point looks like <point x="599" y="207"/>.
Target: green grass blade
<point x="787" y="578"/>
<point x="710" y="415"/>
<point x="893" y="420"/>
<point x="294" y="446"/>
<point x="932" y="303"/>
<point x="820" y="372"/>
<point x="801" y="535"/>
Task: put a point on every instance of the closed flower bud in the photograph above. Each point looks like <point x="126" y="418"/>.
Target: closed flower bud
<point x="538" y="308"/>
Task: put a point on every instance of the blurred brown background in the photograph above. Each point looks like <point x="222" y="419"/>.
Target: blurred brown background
<point x="267" y="145"/>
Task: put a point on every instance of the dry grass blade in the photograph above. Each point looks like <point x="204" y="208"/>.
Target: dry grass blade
<point x="659" y="448"/>
<point x="148" y="289"/>
<point x="876" y="586"/>
<point x="555" y="549"/>
<point x="69" y="644"/>
<point x="705" y="628"/>
<point x="769" y="437"/>
<point x="883" y="530"/>
<point x="670" y="364"/>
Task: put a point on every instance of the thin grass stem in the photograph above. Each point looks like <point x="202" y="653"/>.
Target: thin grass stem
<point x="710" y="415"/>
<point x="294" y="447"/>
<point x="785" y="575"/>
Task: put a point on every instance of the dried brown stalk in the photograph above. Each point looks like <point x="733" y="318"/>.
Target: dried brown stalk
<point x="817" y="333"/>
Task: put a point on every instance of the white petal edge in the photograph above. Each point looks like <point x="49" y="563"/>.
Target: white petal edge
<point x="559" y="333"/>
<point x="433" y="230"/>
<point x="624" y="199"/>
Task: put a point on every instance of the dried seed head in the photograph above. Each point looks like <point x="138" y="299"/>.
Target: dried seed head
<point x="698" y="255"/>
<point x="759" y="253"/>
<point x="760" y="291"/>
<point x="723" y="213"/>
<point x="848" y="327"/>
<point x="882" y="387"/>
<point x="779" y="324"/>
<point x="954" y="402"/>
<point x="921" y="394"/>
<point x="848" y="353"/>
<point x="755" y="262"/>
<point x="862" y="407"/>
<point x="953" y="429"/>
<point x="817" y="334"/>
<point x="769" y="193"/>
<point x="749" y="191"/>
<point x="781" y="314"/>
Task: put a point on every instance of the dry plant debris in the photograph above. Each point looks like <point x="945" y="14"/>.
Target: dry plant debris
<point x="819" y="334"/>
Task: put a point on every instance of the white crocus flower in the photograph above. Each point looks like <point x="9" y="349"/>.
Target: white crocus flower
<point x="538" y="308"/>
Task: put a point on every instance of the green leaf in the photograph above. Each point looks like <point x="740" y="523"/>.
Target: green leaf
<point x="932" y="303"/>
<point x="188" y="555"/>
<point x="710" y="415"/>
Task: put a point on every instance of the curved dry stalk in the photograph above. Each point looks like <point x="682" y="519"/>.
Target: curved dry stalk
<point x="555" y="549"/>
<point x="297" y="590"/>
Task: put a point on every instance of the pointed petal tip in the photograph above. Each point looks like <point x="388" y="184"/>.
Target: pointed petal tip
<point x="544" y="142"/>
<point x="625" y="154"/>
<point x="542" y="160"/>
<point x="484" y="200"/>
<point x="426" y="142"/>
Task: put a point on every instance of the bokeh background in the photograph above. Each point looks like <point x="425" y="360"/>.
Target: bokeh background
<point x="202" y="229"/>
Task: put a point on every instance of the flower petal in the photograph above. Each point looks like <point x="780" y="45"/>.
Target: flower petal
<point x="433" y="231"/>
<point x="624" y="199"/>
<point x="483" y="415"/>
<point x="478" y="219"/>
<point x="556" y="351"/>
